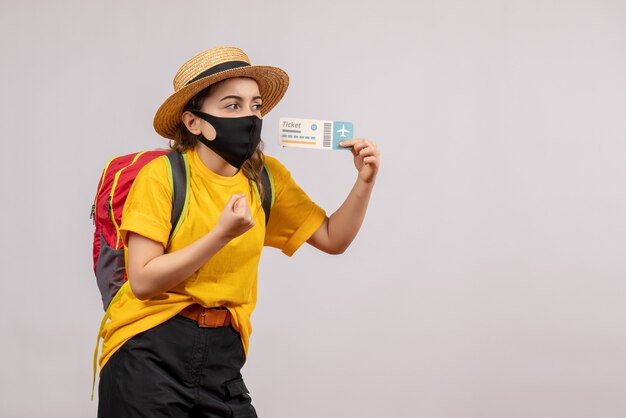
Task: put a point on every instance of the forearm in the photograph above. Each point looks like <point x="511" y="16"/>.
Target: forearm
<point x="342" y="226"/>
<point x="164" y="271"/>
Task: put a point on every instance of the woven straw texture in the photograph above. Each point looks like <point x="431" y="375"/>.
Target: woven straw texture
<point x="272" y="81"/>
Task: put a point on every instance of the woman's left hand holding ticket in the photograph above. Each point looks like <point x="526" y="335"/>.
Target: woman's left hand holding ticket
<point x="366" y="157"/>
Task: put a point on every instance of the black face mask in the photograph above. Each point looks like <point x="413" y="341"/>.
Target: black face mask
<point x="236" y="139"/>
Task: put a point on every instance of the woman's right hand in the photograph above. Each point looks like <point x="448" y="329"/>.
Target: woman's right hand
<point x="235" y="218"/>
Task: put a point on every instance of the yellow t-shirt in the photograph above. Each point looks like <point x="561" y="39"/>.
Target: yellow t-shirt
<point x="229" y="278"/>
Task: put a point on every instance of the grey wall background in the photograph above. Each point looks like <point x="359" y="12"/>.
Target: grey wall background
<point x="488" y="279"/>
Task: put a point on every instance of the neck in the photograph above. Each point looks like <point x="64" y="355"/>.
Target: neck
<point x="214" y="162"/>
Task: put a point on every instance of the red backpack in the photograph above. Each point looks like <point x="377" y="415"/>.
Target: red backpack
<point x="117" y="178"/>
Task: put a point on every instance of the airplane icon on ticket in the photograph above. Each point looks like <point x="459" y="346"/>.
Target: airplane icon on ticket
<point x="343" y="131"/>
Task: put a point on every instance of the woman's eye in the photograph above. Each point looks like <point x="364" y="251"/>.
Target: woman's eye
<point x="257" y="106"/>
<point x="232" y="106"/>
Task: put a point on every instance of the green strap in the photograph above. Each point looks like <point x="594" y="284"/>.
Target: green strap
<point x="178" y="170"/>
<point x="107" y="316"/>
<point x="268" y="187"/>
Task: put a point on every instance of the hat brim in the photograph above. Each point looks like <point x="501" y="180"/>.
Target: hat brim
<point x="272" y="81"/>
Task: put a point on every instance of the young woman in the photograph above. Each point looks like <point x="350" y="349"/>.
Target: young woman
<point x="176" y="341"/>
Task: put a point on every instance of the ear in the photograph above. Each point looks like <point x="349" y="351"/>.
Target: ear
<point x="192" y="122"/>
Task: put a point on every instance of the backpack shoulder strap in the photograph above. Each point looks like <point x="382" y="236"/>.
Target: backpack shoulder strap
<point x="178" y="167"/>
<point x="268" y="186"/>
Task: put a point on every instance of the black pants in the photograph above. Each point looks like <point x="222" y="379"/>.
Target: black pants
<point x="176" y="370"/>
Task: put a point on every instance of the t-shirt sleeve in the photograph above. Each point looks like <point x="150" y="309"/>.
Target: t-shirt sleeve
<point x="148" y="207"/>
<point x="294" y="216"/>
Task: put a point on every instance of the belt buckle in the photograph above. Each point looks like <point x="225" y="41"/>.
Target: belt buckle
<point x="202" y="318"/>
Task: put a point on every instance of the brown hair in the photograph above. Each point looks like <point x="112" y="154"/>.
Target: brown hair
<point x="184" y="140"/>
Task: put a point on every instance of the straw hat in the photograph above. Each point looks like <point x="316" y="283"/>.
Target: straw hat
<point x="210" y="67"/>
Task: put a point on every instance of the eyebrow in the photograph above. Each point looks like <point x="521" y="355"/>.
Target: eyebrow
<point x="238" y="98"/>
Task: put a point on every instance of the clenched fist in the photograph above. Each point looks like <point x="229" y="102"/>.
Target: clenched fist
<point x="236" y="217"/>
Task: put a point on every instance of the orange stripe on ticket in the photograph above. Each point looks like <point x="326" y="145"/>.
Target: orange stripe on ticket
<point x="295" y="141"/>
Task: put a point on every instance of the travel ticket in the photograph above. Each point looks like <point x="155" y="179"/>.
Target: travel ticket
<point x="313" y="133"/>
